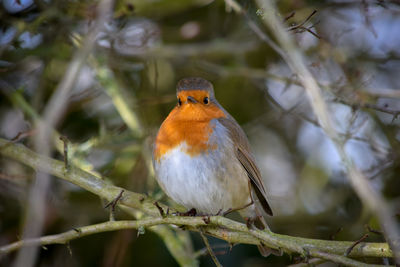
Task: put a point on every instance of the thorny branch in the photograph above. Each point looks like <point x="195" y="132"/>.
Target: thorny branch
<point x="295" y="59"/>
<point x="54" y="109"/>
<point x="217" y="226"/>
<point x="262" y="74"/>
<point x="210" y="251"/>
<point x="299" y="28"/>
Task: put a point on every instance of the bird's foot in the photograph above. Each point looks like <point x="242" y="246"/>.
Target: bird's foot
<point x="192" y="212"/>
<point x="249" y="222"/>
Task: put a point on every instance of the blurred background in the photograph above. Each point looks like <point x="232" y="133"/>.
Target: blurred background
<point x="351" y="47"/>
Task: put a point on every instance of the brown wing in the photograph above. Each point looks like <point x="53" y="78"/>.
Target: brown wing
<point x="246" y="159"/>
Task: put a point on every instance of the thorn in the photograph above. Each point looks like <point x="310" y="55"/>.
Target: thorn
<point x="219" y="212"/>
<point x="113" y="204"/>
<point x="231" y="247"/>
<point x="227" y="212"/>
<point x="306" y="255"/>
<point x="291" y="15"/>
<point x="140" y="231"/>
<point x="159" y="209"/>
<point x="69" y="249"/>
<point x="79" y="231"/>
<point x="192" y="212"/>
<point x="206" y="219"/>
<point x="22" y="135"/>
<point x="348" y="251"/>
<point x="249" y="222"/>
<point x="332" y="236"/>
<point x="371" y="230"/>
<point x="65" y="140"/>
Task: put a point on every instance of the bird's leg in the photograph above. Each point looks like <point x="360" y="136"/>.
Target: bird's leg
<point x="230" y="210"/>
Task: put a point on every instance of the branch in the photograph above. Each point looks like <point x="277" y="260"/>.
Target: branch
<point x="210" y="251"/>
<point x="220" y="227"/>
<point x="53" y="112"/>
<point x="223" y="228"/>
<point x="178" y="244"/>
<point x="294" y="58"/>
<point x="263" y="74"/>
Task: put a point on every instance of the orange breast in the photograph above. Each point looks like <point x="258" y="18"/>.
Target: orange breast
<point x="188" y="123"/>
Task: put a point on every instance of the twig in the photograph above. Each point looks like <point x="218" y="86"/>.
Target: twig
<point x="348" y="251"/>
<point x="295" y="59"/>
<point x="19" y="102"/>
<point x="298" y="28"/>
<point x="210" y="251"/>
<point x="65" y="140"/>
<point x="291" y="15"/>
<point x="367" y="18"/>
<point x="113" y="204"/>
<point x="254" y="27"/>
<point x="293" y="27"/>
<point x="22" y="135"/>
<point x="309" y="263"/>
<point x="121" y="101"/>
<point x="220" y="227"/>
<point x="55" y="108"/>
<point x="230" y="231"/>
<point x="357" y="105"/>
<point x="204" y="251"/>
<point x="371" y="230"/>
<point x="333" y="236"/>
<point x="160" y="209"/>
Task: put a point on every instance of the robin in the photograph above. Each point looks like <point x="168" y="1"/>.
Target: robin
<point x="202" y="158"/>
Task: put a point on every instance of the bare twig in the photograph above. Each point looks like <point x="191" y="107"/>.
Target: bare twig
<point x="372" y="199"/>
<point x="22" y="135"/>
<point x="304" y="21"/>
<point x="356" y="105"/>
<point x="210" y="251"/>
<point x="311" y="262"/>
<point x="291" y="15"/>
<point x="204" y="251"/>
<point x="299" y="28"/>
<point x="348" y="251"/>
<point x="220" y="227"/>
<point x="160" y="209"/>
<point x="374" y="231"/>
<point x="333" y="236"/>
<point x="65" y="140"/>
<point x="365" y="10"/>
<point x="53" y="112"/>
<point x="113" y="204"/>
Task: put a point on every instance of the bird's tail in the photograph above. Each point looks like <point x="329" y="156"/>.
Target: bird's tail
<point x="265" y="251"/>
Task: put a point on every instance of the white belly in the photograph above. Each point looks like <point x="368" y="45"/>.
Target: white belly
<point x="207" y="182"/>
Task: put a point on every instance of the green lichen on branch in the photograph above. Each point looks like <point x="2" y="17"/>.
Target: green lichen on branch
<point x="220" y="227"/>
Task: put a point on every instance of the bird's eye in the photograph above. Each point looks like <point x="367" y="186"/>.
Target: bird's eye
<point x="179" y="102"/>
<point x="205" y="100"/>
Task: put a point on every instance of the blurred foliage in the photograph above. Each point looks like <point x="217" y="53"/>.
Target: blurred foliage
<point x="126" y="89"/>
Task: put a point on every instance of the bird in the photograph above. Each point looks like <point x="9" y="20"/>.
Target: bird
<point x="203" y="161"/>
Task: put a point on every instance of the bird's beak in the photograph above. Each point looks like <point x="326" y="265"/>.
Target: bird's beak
<point x="191" y="99"/>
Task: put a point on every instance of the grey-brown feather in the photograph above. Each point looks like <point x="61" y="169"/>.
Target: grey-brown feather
<point x="243" y="152"/>
<point x="195" y="83"/>
<point x="246" y="159"/>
